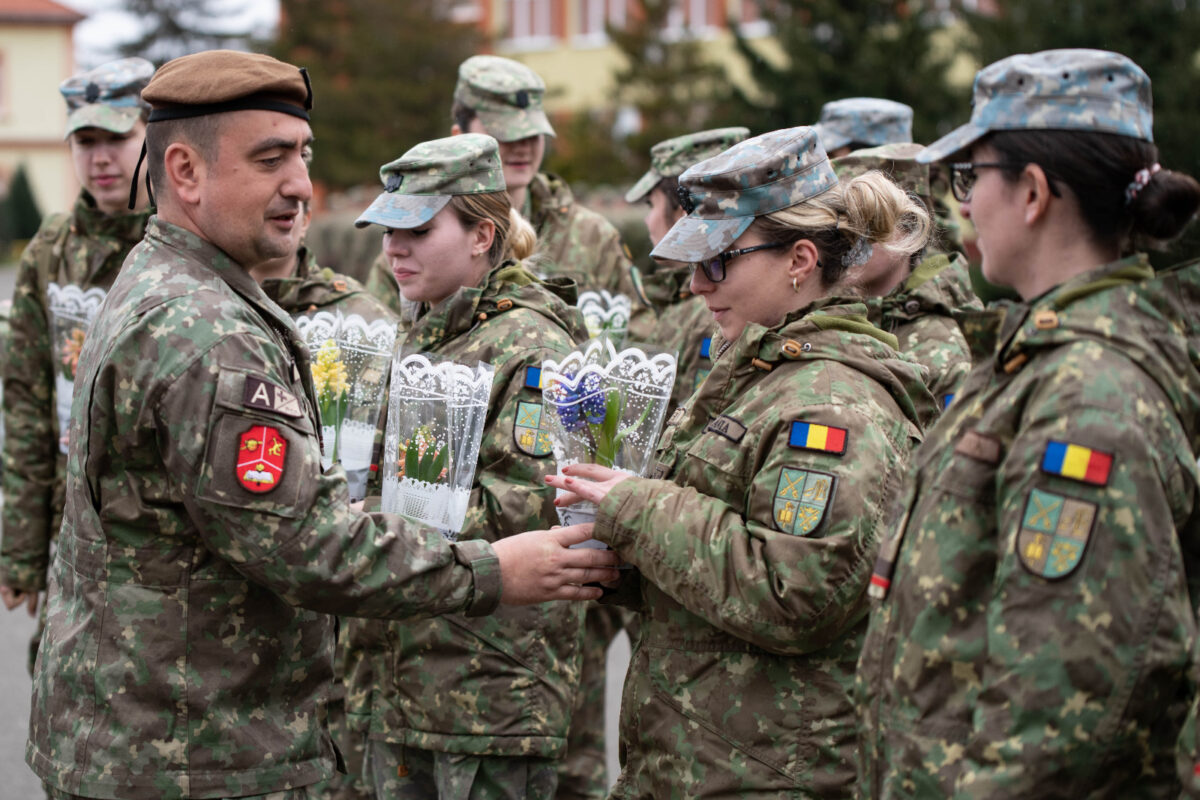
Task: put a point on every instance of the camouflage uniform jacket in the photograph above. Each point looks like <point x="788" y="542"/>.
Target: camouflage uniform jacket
<point x="504" y="685"/>
<point x="316" y="288"/>
<point x="684" y="325"/>
<point x="188" y="645"/>
<point x="754" y="548"/>
<point x="921" y="313"/>
<point x="1034" y="630"/>
<point x="83" y="249"/>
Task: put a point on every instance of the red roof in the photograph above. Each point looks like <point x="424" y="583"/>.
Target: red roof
<point x="45" y="12"/>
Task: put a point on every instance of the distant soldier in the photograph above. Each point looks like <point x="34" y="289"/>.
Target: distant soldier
<point x="916" y="297"/>
<point x="503" y="98"/>
<point x="62" y="279"/>
<point x="188" y="644"/>
<point x="857" y="122"/>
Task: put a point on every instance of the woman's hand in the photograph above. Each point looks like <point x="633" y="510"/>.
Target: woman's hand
<point x="539" y="566"/>
<point x="585" y="482"/>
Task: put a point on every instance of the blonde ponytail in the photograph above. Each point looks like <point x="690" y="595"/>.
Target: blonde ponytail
<point x="514" y="238"/>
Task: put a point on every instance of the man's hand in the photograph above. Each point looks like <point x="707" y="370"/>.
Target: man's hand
<point x="539" y="566"/>
<point x="12" y="598"/>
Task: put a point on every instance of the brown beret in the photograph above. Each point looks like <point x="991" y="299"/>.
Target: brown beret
<point x="215" y="81"/>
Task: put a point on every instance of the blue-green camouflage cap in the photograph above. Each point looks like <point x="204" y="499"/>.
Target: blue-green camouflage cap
<point x="506" y="95"/>
<point x="668" y="159"/>
<point x="724" y="194"/>
<point x="864" y="120"/>
<point x="107" y="97"/>
<point x="1071" y="89"/>
<point x="421" y="182"/>
<point x="897" y="161"/>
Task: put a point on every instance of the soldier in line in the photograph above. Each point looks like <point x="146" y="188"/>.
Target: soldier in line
<point x="1032" y="626"/>
<point x="855" y="123"/>
<point x="503" y="99"/>
<point x="62" y="278"/>
<point x="301" y="286"/>
<point x="187" y="651"/>
<point x="916" y="297"/>
<point x="460" y="707"/>
<point x="754" y="535"/>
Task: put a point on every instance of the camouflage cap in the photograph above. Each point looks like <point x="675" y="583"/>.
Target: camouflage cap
<point x="506" y="95"/>
<point x="897" y="161"/>
<point x="107" y="97"/>
<point x="421" y="182"/>
<point x="216" y="81"/>
<point x="866" y="120"/>
<point x="724" y="194"/>
<point x="1083" y="90"/>
<point x="670" y="158"/>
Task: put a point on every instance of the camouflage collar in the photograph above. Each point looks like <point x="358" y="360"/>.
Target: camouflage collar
<point x="547" y="194"/>
<point x="310" y="285"/>
<point x="940" y="284"/>
<point x="91" y="222"/>
<point x="669" y="285"/>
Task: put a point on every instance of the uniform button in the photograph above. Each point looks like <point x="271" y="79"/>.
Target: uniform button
<point x="912" y="306"/>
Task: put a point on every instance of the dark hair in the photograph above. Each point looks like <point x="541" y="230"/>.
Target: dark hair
<point x="1098" y="168"/>
<point x="202" y="133"/>
<point x="670" y="189"/>
<point x="462" y="115"/>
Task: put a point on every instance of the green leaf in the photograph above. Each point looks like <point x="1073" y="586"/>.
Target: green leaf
<point x="411" y="456"/>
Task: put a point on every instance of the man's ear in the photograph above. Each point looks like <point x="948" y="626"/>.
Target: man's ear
<point x="185" y="171"/>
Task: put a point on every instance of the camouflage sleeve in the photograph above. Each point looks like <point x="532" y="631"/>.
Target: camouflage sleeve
<point x="30" y="444"/>
<point x="789" y="581"/>
<point x="1187" y="750"/>
<point x="1089" y="604"/>
<point x="254" y="488"/>
<point x="937" y="344"/>
<point x="381" y="284"/>
<point x="511" y="494"/>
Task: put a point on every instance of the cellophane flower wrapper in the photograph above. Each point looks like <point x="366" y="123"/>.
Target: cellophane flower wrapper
<point x="605" y="314"/>
<point x="72" y="310"/>
<point x="351" y="358"/>
<point x="436" y="413"/>
<point x="605" y="405"/>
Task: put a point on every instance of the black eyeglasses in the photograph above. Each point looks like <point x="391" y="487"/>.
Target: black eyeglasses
<point x="714" y="268"/>
<point x="963" y="177"/>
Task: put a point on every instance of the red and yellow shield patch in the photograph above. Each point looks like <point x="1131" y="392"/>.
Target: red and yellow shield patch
<point x="260" y="458"/>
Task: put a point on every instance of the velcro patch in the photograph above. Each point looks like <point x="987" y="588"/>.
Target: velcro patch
<point x="676" y="416"/>
<point x="266" y="396"/>
<point x="1077" y="462"/>
<point x="728" y="427"/>
<point x="979" y="446"/>
<point x="1054" y="532"/>
<point x="527" y="430"/>
<point x="262" y="453"/>
<point x="801" y="497"/>
<point x="823" y="438"/>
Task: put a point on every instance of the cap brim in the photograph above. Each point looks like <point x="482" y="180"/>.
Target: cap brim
<point x="643" y="187"/>
<point x="402" y="211"/>
<point x="104" y="117"/>
<point x="958" y="139"/>
<point x="693" y="239"/>
<point x="511" y="126"/>
<point x="829" y="138"/>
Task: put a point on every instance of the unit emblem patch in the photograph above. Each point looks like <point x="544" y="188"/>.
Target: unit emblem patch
<point x="1054" y="533"/>
<point x="801" y="497"/>
<point x="261" y="456"/>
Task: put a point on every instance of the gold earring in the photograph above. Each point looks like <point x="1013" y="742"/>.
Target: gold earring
<point x="795" y="286"/>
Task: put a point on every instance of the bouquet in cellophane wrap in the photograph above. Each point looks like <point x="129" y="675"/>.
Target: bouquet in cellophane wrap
<point x="72" y="309"/>
<point x="606" y="406"/>
<point x="436" y="412"/>
<point x="350" y="359"/>
<point x="605" y="314"/>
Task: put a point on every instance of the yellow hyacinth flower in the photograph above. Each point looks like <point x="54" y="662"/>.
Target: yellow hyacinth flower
<point x="329" y="373"/>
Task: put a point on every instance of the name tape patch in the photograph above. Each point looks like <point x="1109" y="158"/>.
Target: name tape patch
<point x="728" y="427"/>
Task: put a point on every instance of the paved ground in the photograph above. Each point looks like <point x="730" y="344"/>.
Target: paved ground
<point x="17" y="782"/>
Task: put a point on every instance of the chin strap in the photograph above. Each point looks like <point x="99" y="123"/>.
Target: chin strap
<point x="133" y="184"/>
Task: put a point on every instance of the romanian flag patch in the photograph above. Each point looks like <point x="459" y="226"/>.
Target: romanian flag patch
<point x="810" y="436"/>
<point x="1077" y="463"/>
<point x="706" y="347"/>
<point x="533" y="378"/>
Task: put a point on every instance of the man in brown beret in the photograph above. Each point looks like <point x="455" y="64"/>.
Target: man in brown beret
<point x="188" y="649"/>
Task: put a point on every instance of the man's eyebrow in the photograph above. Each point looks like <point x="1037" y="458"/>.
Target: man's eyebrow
<point x="280" y="143"/>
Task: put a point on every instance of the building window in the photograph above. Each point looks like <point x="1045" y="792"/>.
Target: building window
<point x="462" y="11"/>
<point x="593" y="16"/>
<point x="697" y="17"/>
<point x="530" y="24"/>
<point x="753" y="21"/>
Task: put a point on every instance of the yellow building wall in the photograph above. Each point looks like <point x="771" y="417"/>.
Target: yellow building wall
<point x="33" y="61"/>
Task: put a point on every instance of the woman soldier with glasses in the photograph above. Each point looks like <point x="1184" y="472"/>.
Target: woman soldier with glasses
<point x="1032" y="620"/>
<point x="754" y="536"/>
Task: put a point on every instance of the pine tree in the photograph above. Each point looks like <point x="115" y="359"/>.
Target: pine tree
<point x="21" y="207"/>
<point x="173" y="28"/>
<point x="847" y="48"/>
<point x="1162" y="36"/>
<point x="383" y="76"/>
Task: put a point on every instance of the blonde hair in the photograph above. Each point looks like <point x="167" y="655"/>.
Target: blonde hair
<point x="869" y="207"/>
<point x="515" y="237"/>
